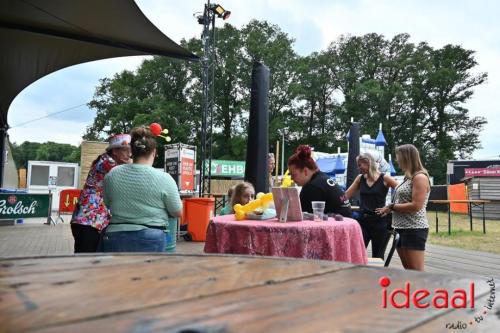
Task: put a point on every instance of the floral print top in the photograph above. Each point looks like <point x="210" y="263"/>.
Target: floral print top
<point x="91" y="209"/>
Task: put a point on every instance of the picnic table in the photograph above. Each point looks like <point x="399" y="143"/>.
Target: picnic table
<point x="470" y="204"/>
<point x="217" y="293"/>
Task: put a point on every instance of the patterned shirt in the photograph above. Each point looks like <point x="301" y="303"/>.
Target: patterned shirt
<point x="91" y="209"/>
<point x="417" y="220"/>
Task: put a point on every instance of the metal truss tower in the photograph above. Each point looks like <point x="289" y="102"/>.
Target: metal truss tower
<point x="210" y="12"/>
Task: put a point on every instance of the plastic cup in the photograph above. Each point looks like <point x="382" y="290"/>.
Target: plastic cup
<point x="318" y="208"/>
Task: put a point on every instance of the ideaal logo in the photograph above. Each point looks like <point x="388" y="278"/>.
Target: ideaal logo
<point x="439" y="299"/>
<point x="479" y="317"/>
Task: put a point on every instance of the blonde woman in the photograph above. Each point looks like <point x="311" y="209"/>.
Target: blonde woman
<point x="409" y="216"/>
<point x="373" y="187"/>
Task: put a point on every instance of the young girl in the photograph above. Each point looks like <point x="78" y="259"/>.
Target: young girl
<point x="243" y="193"/>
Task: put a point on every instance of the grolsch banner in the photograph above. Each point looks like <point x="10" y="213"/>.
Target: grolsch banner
<point x="14" y="206"/>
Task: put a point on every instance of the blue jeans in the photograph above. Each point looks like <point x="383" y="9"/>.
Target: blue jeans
<point x="146" y="240"/>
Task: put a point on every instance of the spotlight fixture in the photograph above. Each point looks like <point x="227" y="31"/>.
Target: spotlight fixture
<point x="221" y="12"/>
<point x="201" y="19"/>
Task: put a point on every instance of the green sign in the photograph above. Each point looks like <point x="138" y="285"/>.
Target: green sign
<point x="19" y="205"/>
<point x="223" y="168"/>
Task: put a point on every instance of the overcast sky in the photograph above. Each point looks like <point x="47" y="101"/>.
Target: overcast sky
<point x="313" y="24"/>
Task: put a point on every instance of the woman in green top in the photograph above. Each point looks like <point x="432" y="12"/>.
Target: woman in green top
<point x="141" y="199"/>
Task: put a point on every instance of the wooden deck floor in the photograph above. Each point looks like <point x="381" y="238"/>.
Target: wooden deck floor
<point x="456" y="262"/>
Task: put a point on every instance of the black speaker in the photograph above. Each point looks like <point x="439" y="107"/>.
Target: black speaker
<point x="258" y="129"/>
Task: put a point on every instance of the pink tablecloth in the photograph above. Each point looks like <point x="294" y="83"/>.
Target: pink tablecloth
<point x="328" y="240"/>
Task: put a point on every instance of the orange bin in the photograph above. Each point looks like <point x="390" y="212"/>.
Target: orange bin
<point x="197" y="214"/>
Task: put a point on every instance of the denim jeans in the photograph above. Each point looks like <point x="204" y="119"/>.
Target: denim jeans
<point x="146" y="240"/>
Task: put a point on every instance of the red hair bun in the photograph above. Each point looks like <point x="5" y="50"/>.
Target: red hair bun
<point x="303" y="152"/>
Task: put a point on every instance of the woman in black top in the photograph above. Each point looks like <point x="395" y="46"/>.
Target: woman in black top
<point x="316" y="186"/>
<point x="373" y="187"/>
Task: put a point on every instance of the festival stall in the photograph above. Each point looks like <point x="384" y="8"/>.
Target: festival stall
<point x="484" y="184"/>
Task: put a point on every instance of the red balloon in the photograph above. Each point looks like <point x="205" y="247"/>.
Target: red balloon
<point x="155" y="129"/>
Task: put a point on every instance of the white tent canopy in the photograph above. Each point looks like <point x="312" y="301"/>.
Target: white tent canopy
<point x="38" y="37"/>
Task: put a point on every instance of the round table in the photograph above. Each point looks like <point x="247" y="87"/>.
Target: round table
<point x="327" y="240"/>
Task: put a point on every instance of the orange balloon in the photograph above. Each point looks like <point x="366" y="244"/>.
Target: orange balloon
<point x="155" y="129"/>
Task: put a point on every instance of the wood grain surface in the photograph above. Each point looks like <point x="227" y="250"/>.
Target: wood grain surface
<point x="199" y="293"/>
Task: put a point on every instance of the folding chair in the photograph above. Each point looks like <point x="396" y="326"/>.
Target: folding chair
<point x="395" y="241"/>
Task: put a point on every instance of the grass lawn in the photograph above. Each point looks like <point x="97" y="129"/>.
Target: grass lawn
<point x="461" y="236"/>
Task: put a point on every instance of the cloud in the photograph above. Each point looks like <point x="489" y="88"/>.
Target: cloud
<point x="313" y="24"/>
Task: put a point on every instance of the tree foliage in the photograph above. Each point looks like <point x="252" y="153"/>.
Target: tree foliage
<point x="47" y="151"/>
<point x="415" y="91"/>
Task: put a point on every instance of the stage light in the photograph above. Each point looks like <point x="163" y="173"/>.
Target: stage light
<point x="221" y="12"/>
<point x="201" y="19"/>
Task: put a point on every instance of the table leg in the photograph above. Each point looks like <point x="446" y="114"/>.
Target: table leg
<point x="437" y="227"/>
<point x="484" y="221"/>
<point x="449" y="218"/>
<point x="470" y="215"/>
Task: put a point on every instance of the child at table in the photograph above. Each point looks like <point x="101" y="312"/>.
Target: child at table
<point x="242" y="194"/>
<point x="226" y="210"/>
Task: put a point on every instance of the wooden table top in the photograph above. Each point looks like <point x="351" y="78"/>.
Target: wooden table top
<point x="460" y="201"/>
<point x="216" y="293"/>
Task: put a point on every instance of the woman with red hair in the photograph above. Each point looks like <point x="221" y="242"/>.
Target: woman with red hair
<point x="316" y="185"/>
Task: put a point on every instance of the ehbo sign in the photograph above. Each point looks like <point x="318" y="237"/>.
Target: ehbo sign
<point x="224" y="168"/>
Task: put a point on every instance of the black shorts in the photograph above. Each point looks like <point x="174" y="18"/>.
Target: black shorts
<point x="412" y="239"/>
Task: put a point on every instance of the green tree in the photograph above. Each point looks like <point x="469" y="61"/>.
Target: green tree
<point x="47" y="151"/>
<point x="416" y="92"/>
<point x="155" y="93"/>
<point x="24" y="152"/>
<point x="449" y="130"/>
<point x="317" y="110"/>
<point x="230" y="92"/>
<point x="267" y="43"/>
